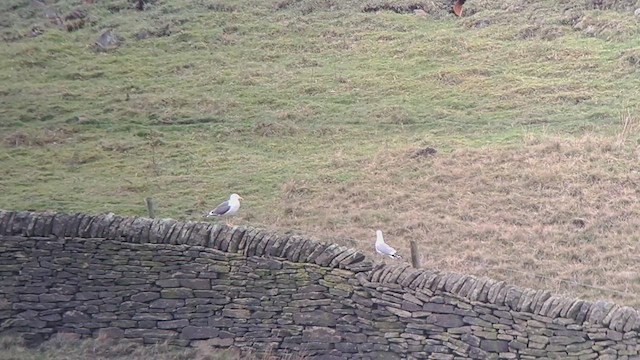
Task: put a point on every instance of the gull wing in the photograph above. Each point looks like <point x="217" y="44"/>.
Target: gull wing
<point x="385" y="249"/>
<point x="220" y="209"/>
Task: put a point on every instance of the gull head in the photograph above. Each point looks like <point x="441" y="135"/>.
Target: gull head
<point x="235" y="197"/>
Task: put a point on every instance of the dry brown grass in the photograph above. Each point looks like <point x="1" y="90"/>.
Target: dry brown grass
<point x="41" y="137"/>
<point x="69" y="346"/>
<point x="555" y="207"/>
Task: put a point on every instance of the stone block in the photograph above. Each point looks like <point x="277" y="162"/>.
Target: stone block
<point x="173" y="324"/>
<point x="75" y="316"/>
<point x="150" y="333"/>
<point x="145" y="296"/>
<point x="177" y="293"/>
<point x="316" y="318"/>
<point x="446" y="320"/>
<point x="321" y="334"/>
<point x="236" y="313"/>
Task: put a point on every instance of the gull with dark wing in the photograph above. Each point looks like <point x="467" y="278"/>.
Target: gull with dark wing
<point x="384" y="249"/>
<point x="227" y="208"/>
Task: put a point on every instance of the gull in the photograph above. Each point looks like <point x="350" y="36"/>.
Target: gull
<point x="383" y="248"/>
<point x="227" y="208"/>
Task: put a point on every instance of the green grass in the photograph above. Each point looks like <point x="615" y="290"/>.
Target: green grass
<point x="273" y="99"/>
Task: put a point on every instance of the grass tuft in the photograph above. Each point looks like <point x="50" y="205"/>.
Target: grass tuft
<point x="70" y="346"/>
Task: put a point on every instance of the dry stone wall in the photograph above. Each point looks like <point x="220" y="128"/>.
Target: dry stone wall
<point x="186" y="282"/>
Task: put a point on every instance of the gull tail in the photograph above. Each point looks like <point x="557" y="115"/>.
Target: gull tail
<point x="395" y="256"/>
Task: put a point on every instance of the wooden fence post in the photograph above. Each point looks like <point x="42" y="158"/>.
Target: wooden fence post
<point x="415" y="254"/>
<point x="150" y="209"/>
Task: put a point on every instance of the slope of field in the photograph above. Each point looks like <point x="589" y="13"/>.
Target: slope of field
<point x="505" y="142"/>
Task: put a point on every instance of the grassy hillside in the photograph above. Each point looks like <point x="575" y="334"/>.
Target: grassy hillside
<point x="318" y="112"/>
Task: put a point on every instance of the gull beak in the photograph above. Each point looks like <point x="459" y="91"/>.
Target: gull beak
<point x="240" y="197"/>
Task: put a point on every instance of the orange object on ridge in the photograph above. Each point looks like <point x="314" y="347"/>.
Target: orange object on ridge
<point x="457" y="7"/>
